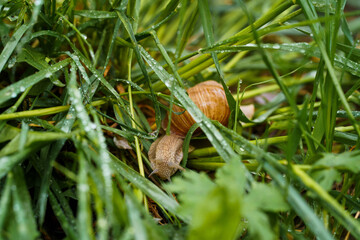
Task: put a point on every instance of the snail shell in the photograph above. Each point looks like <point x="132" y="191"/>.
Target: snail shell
<point x="210" y="98"/>
<point x="165" y="154"/>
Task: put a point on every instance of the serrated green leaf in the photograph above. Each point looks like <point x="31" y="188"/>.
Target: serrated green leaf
<point x="259" y="225"/>
<point x="267" y="197"/>
<point x="214" y="208"/>
<point x="326" y="177"/>
<point x="349" y="161"/>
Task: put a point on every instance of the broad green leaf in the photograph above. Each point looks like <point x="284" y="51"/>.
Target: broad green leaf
<point x="214" y="209"/>
<point x="294" y="199"/>
<point x="232" y="177"/>
<point x="8" y="133"/>
<point x="259" y="224"/>
<point x="216" y="216"/>
<point x="348" y="161"/>
<point x="266" y="197"/>
<point x="326" y="178"/>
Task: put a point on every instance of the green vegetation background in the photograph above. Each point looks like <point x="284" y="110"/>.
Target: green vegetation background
<point x="75" y="74"/>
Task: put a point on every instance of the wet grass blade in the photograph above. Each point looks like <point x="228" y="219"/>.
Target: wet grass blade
<point x="141" y="63"/>
<point x="209" y="36"/>
<point x="14" y="89"/>
<point x="24" y="217"/>
<point x="205" y="124"/>
<point x="11" y="45"/>
<point x="146" y="186"/>
<point x="295" y="200"/>
<point x="309" y="12"/>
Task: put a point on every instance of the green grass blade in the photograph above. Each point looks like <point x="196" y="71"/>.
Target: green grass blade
<point x="295" y="200"/>
<point x="146" y="186"/>
<point x="209" y="36"/>
<point x="310" y="14"/>
<point x="55" y="148"/>
<point x="95" y="14"/>
<point x="84" y="216"/>
<point x="14" y="89"/>
<point x="58" y="211"/>
<point x="331" y="204"/>
<point x="24" y="217"/>
<point x="141" y="63"/>
<point x="11" y="45"/>
<point x="5" y="202"/>
<point x="205" y="124"/>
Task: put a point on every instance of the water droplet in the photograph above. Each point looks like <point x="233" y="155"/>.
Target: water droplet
<point x="276" y="46"/>
<point x="38" y="2"/>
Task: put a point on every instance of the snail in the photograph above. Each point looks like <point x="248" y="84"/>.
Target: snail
<point x="165" y="154"/>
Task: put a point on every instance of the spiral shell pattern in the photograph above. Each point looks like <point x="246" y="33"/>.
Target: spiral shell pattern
<point x="210" y="98"/>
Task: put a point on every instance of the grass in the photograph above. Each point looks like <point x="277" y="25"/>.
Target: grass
<point x="76" y="74"/>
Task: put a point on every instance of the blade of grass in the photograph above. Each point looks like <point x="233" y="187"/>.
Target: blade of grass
<point x="185" y="27"/>
<point x="58" y="211"/>
<point x="141" y="63"/>
<point x="65" y="125"/>
<point x="309" y="12"/>
<point x="11" y="45"/>
<point x="95" y="135"/>
<point x="205" y="124"/>
<point x="206" y="21"/>
<point x="274" y="168"/>
<point x="146" y="186"/>
<point x="24" y="217"/>
<point x="84" y="216"/>
<point x="334" y="207"/>
<point x="137" y="143"/>
<point x="5" y="200"/>
<point x="282" y="86"/>
<point x="14" y="89"/>
<point x="44" y="111"/>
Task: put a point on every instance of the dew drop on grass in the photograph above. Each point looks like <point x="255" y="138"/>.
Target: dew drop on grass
<point x="276" y="46"/>
<point x="13" y="94"/>
<point x="37" y="2"/>
<point x="83" y="187"/>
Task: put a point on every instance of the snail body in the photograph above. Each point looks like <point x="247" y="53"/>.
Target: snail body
<point x="165" y="154"/>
